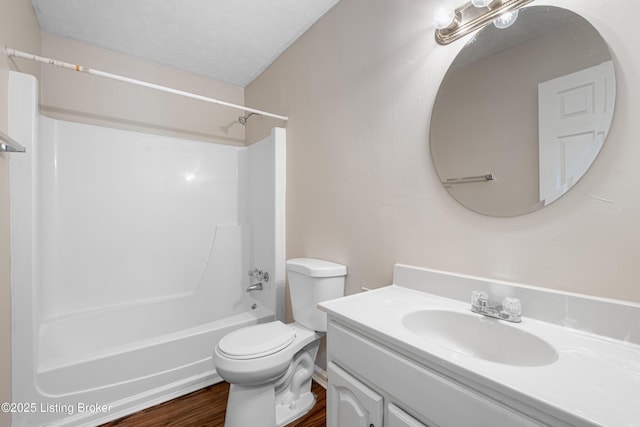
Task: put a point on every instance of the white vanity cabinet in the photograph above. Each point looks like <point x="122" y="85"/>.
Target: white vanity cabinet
<point x="416" y="350"/>
<point x="372" y="385"/>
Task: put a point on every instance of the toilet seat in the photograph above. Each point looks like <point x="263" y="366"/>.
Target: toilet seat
<point x="257" y="341"/>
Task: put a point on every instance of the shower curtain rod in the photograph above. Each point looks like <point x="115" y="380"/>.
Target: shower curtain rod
<point x="68" y="66"/>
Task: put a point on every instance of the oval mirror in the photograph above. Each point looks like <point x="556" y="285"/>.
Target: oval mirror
<point x="522" y="112"/>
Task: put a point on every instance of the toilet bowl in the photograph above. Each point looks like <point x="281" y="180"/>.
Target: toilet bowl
<point x="270" y="365"/>
<point x="274" y="387"/>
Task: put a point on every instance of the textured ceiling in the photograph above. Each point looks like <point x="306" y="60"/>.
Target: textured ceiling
<point x="228" y="40"/>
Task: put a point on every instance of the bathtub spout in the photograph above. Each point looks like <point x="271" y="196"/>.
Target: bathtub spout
<point x="255" y="287"/>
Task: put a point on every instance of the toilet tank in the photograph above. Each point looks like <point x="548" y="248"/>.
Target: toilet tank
<point x="312" y="281"/>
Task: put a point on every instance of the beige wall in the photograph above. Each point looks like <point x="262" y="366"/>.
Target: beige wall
<point x="18" y="29"/>
<point x="362" y="190"/>
<point x="89" y="99"/>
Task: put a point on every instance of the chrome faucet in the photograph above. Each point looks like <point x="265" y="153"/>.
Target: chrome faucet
<point x="255" y="287"/>
<point x="510" y="309"/>
<point x="259" y="276"/>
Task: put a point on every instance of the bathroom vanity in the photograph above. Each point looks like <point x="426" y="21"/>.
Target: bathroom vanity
<point x="413" y="354"/>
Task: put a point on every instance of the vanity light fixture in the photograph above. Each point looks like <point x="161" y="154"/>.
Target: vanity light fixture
<point x="474" y="14"/>
<point x="481" y="3"/>
<point x="506" y="19"/>
<point x="445" y="18"/>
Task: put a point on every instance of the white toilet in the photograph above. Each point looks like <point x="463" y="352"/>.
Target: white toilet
<point x="270" y="365"/>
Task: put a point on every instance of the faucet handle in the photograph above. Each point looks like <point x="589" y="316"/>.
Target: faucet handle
<point x="259" y="275"/>
<point x="512" y="306"/>
<point x="477" y="296"/>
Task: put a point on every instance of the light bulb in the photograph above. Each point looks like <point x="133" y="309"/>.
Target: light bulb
<point x="506" y="19"/>
<point x="443" y="17"/>
<point x="481" y="3"/>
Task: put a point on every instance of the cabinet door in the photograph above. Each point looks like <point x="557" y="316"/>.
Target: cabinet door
<point x="399" y="418"/>
<point x="351" y="403"/>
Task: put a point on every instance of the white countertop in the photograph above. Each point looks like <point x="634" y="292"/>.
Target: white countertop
<point x="595" y="380"/>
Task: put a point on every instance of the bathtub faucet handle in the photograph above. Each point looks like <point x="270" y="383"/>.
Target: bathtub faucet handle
<point x="259" y="275"/>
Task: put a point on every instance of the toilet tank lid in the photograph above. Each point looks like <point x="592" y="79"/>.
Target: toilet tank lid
<point x="316" y="267"/>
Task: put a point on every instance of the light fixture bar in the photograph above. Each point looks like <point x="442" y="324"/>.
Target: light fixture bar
<point x="448" y="35"/>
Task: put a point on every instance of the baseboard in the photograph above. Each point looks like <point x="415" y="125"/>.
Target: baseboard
<point x="320" y="376"/>
<point x="147" y="399"/>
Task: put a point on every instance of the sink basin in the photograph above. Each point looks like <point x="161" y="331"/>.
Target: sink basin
<point x="479" y="336"/>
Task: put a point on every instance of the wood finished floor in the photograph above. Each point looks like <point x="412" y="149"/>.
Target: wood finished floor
<point x="206" y="408"/>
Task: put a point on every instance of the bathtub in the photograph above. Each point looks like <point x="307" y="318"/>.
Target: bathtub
<point x="131" y="374"/>
<point x="129" y="262"/>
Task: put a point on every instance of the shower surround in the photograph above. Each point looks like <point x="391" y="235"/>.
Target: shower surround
<point x="130" y="255"/>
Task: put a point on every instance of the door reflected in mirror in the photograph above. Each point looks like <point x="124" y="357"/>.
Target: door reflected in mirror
<point x="523" y="112"/>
